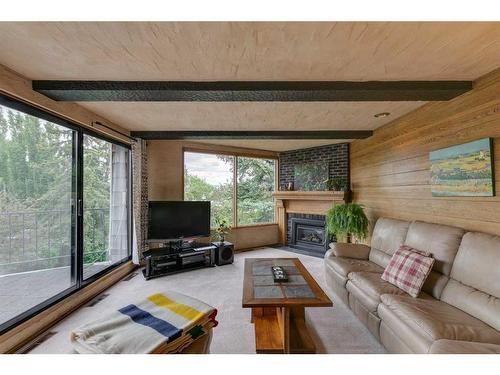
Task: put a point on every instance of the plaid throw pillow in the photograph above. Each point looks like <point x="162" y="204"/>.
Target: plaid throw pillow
<point x="408" y="269"/>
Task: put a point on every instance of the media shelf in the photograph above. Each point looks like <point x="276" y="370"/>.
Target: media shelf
<point x="166" y="261"/>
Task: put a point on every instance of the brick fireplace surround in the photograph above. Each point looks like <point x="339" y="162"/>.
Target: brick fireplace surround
<point x="311" y="204"/>
<point x="336" y="155"/>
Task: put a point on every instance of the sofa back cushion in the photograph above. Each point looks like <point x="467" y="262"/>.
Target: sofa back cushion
<point x="442" y="242"/>
<point x="388" y="235"/>
<point x="474" y="286"/>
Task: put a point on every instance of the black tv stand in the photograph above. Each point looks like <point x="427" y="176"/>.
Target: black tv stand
<point x="173" y="259"/>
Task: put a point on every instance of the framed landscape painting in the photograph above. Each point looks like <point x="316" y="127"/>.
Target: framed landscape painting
<point x="311" y="176"/>
<point x="464" y="170"/>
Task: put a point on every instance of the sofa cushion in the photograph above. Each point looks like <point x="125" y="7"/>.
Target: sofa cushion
<point x="350" y="250"/>
<point x="408" y="269"/>
<point x="368" y="318"/>
<point x="392" y="341"/>
<point x="474" y="302"/>
<point x="478" y="263"/>
<point x="442" y="241"/>
<point x="463" y="347"/>
<point x="387" y="236"/>
<point x="475" y="284"/>
<point x="421" y="321"/>
<point x="367" y="287"/>
<point x="344" y="266"/>
<point x="336" y="283"/>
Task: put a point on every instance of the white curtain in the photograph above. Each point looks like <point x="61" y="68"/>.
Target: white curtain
<point x="118" y="223"/>
<point x="135" y="248"/>
<point x="140" y="198"/>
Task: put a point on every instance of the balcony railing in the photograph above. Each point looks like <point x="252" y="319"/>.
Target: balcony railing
<point x="36" y="240"/>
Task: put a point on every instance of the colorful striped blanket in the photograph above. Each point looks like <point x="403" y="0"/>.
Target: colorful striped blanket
<point x="162" y="323"/>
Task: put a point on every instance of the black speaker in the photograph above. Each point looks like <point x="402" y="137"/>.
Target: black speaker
<point x="224" y="253"/>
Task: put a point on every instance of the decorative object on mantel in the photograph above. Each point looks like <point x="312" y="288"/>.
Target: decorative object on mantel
<point x="310" y="176"/>
<point x="222" y="229"/>
<point x="464" y="170"/>
<point x="287" y="187"/>
<point x="336" y="184"/>
<point x="348" y="219"/>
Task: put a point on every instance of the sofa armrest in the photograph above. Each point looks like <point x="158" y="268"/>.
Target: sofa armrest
<point x="463" y="347"/>
<point x="350" y="250"/>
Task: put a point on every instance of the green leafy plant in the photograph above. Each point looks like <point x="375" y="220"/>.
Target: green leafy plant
<point x="335" y="184"/>
<point x="222" y="228"/>
<point x="329" y="184"/>
<point x="347" y="219"/>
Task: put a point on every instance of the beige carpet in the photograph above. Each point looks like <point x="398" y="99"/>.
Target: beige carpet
<point x="336" y="329"/>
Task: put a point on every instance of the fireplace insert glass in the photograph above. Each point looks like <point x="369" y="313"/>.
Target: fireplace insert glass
<point x="310" y="234"/>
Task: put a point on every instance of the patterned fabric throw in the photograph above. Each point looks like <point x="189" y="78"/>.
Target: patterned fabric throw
<point x="408" y="269"/>
<point x="161" y="323"/>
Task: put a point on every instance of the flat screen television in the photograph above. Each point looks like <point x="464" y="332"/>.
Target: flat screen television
<point x="176" y="219"/>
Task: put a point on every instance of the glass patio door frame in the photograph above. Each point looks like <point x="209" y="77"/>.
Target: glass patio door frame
<point x="77" y="204"/>
<point x="82" y="282"/>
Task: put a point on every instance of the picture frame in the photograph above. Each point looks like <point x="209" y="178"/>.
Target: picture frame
<point x="465" y="170"/>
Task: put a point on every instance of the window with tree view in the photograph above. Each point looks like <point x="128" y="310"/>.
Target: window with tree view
<point x="211" y="177"/>
<point x="255" y="185"/>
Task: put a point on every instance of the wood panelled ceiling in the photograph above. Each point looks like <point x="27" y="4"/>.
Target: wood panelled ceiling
<point x="250" y="51"/>
<point x="249" y="115"/>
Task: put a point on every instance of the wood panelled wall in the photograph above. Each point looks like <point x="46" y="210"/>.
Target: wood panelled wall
<point x="390" y="171"/>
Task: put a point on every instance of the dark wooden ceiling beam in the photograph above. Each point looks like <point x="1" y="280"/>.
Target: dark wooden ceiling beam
<point x="251" y="91"/>
<point x="229" y="134"/>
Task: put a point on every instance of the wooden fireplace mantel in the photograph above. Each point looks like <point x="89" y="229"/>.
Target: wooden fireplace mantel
<point x="303" y="202"/>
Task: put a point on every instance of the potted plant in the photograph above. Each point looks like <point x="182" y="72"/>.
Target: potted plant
<point x="335" y="184"/>
<point x="348" y="219"/>
<point x="222" y="228"/>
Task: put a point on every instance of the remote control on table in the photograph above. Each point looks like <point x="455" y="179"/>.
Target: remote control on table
<point x="279" y="274"/>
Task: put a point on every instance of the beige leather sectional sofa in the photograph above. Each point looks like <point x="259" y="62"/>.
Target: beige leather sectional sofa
<point x="458" y="310"/>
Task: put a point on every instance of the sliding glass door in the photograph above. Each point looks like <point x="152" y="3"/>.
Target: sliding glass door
<point x="64" y="209"/>
<point x="106" y="205"/>
<point x="37" y="215"/>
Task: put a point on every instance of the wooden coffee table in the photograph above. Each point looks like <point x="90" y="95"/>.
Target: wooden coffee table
<point x="278" y="308"/>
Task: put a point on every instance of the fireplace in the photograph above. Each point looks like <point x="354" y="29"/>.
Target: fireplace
<point x="308" y="235"/>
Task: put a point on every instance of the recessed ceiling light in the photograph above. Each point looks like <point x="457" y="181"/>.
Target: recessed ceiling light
<point x="382" y="114"/>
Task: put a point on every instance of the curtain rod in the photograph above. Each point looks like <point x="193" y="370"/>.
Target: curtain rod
<point x="114" y="130"/>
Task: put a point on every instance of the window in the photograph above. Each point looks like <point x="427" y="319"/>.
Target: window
<point x="212" y="177"/>
<point x="49" y="168"/>
<point x="209" y="177"/>
<point x="255" y="185"/>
